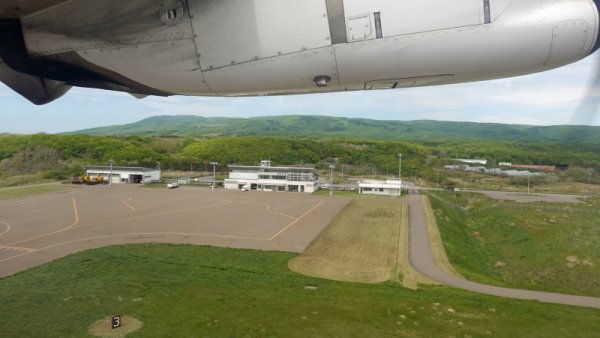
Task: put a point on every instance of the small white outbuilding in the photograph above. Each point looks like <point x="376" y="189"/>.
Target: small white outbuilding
<point x="385" y="188"/>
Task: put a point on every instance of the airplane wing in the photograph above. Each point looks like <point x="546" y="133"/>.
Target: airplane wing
<point x="279" y="47"/>
<point x="13" y="9"/>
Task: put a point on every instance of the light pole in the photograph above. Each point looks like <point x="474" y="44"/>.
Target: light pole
<point x="400" y="167"/>
<point x="214" y="182"/>
<point x="110" y="174"/>
<point x="331" y="167"/>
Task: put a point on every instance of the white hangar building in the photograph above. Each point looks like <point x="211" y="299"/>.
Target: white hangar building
<point x="386" y="188"/>
<point x="124" y="175"/>
<point x="267" y="178"/>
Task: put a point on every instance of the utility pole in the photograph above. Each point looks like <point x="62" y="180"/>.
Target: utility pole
<point x="528" y="183"/>
<point x="400" y="167"/>
<point x="437" y="185"/>
<point x="331" y="167"/>
<point x="214" y="182"/>
<point x="590" y="182"/>
<point x="111" y="172"/>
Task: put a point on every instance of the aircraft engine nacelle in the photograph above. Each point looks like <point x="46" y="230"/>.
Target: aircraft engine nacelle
<point x="270" y="47"/>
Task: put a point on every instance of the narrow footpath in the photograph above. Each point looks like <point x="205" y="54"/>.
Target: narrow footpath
<point x="422" y="260"/>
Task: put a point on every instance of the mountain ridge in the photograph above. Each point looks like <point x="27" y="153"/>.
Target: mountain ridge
<point x="317" y="126"/>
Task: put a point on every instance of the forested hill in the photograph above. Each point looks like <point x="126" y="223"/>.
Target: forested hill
<point x="323" y="126"/>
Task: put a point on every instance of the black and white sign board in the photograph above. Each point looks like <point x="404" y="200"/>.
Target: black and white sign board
<point x="115" y="322"/>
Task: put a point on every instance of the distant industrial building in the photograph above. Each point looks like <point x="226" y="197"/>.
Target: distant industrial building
<point x="529" y="166"/>
<point x="472" y="161"/>
<point x="491" y="171"/>
<point x="268" y="178"/>
<point x="124" y="175"/>
<point x="385" y="188"/>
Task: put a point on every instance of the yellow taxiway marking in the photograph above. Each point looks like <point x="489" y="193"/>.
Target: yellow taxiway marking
<point x="16" y="249"/>
<point x="13" y="257"/>
<point x="279" y="213"/>
<point x="268" y="209"/>
<point x="7" y="226"/>
<point x="126" y="202"/>
<point x="296" y="221"/>
<point x="26" y="251"/>
<point x="170" y="212"/>
<point x="72" y="225"/>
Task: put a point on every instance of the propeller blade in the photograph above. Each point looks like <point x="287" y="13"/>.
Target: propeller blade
<point x="587" y="111"/>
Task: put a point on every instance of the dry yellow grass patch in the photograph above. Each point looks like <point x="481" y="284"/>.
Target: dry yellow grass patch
<point x="360" y="244"/>
<point x="367" y="242"/>
<point x="435" y="239"/>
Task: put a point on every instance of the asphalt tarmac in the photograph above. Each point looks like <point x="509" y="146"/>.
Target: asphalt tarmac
<point x="39" y="229"/>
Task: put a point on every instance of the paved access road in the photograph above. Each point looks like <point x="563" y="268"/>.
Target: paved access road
<point x="421" y="259"/>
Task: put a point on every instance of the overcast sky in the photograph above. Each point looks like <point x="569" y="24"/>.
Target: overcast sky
<point x="548" y="98"/>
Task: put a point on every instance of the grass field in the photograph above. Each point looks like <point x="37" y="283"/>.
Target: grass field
<point x="472" y="180"/>
<point x="23" y="191"/>
<point x="190" y="291"/>
<point x="538" y="246"/>
<point x="360" y="245"/>
<point x="325" y="192"/>
<point x="22" y="180"/>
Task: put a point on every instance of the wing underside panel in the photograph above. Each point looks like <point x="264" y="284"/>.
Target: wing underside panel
<point x="14" y="9"/>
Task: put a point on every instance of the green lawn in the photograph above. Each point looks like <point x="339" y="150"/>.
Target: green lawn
<point x="191" y="291"/>
<point x="539" y="246"/>
<point x="7" y="193"/>
<point x="325" y="192"/>
<point x="22" y="180"/>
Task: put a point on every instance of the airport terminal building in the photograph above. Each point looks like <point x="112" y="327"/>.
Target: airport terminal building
<point x="124" y="175"/>
<point x="268" y="178"/>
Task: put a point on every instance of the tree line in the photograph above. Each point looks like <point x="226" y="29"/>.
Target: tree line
<point x="61" y="156"/>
